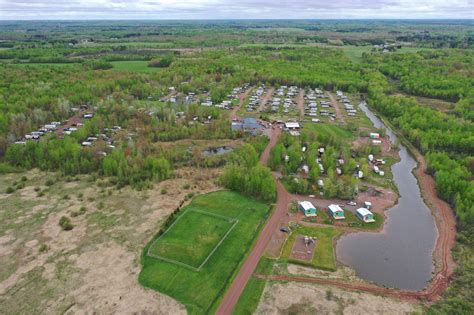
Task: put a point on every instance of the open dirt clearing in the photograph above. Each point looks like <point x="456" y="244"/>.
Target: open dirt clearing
<point x="94" y="267"/>
<point x="302" y="298"/>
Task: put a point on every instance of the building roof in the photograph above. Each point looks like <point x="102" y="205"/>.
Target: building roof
<point x="307" y="205"/>
<point x="364" y="212"/>
<point x="250" y="123"/>
<point x="335" y="208"/>
<point x="291" y="124"/>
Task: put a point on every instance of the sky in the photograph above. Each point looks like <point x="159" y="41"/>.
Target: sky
<point x="234" y="9"/>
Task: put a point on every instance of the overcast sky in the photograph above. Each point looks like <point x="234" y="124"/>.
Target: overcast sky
<point x="234" y="9"/>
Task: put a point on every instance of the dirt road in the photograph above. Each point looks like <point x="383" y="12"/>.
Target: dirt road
<point x="233" y="114"/>
<point x="232" y="295"/>
<point x="337" y="108"/>
<point x="300" y="103"/>
<point x="442" y="212"/>
<point x="265" y="99"/>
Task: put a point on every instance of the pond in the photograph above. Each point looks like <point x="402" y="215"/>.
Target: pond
<point x="401" y="255"/>
<point x="217" y="150"/>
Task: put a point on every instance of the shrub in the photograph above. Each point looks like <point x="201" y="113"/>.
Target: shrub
<point x="65" y="224"/>
<point x="10" y="190"/>
<point x="49" y="182"/>
<point x="24" y="178"/>
<point x="186" y="186"/>
<point x="161" y="63"/>
<point x="164" y="191"/>
<point x="43" y="248"/>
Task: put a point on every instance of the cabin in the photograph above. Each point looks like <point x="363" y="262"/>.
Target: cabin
<point x="337" y="212"/>
<point x="365" y="215"/>
<point x="307" y="208"/>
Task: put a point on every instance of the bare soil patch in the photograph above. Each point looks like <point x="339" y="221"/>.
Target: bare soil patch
<point x="302" y="249"/>
<point x="302" y="298"/>
<point x="92" y="268"/>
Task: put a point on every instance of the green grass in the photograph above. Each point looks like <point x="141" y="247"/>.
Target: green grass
<point x="354" y="53"/>
<point x="328" y="130"/>
<point x="192" y="239"/>
<point x="249" y="299"/>
<point x="199" y="290"/>
<point x="137" y="66"/>
<point x="323" y="256"/>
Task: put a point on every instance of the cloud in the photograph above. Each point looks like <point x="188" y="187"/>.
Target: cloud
<point x="234" y="9"/>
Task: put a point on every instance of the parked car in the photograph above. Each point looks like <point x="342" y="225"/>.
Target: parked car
<point x="352" y="203"/>
<point x="285" y="230"/>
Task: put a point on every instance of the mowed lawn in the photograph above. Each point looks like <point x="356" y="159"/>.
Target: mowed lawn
<point x="199" y="290"/>
<point x="192" y="238"/>
<point x="323" y="256"/>
<point x="328" y="130"/>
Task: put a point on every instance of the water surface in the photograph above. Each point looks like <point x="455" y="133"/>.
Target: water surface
<point x="401" y="255"/>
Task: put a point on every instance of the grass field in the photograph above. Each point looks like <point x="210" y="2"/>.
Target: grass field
<point x="199" y="290"/>
<point x="323" y="256"/>
<point x="191" y="240"/>
<point x="134" y="65"/>
<point x="328" y="130"/>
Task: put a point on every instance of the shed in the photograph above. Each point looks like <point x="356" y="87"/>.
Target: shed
<point x="336" y="211"/>
<point x="365" y="215"/>
<point x="374" y="135"/>
<point x="308" y="209"/>
<point x="368" y="204"/>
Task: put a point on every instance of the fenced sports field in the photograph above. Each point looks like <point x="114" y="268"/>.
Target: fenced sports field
<point x="192" y="239"/>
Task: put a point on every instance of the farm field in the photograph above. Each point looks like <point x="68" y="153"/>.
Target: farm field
<point x="199" y="290"/>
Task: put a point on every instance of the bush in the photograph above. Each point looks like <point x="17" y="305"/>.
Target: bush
<point x="99" y="65"/>
<point x="164" y="191"/>
<point x="24" y="178"/>
<point x="10" y="190"/>
<point x="186" y="186"/>
<point x="43" y="248"/>
<point x="65" y="224"/>
<point x="49" y="182"/>
<point x="161" y="63"/>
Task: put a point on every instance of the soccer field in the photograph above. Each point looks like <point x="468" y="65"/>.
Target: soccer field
<point x="215" y="231"/>
<point x="192" y="239"/>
